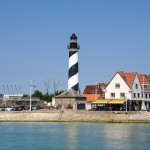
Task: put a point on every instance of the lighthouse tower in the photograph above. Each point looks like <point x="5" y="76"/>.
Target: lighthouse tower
<point x="73" y="47"/>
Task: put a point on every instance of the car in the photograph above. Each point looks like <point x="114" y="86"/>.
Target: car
<point x="2" y="108"/>
<point x="35" y="107"/>
<point x="68" y="106"/>
<point x="15" y="108"/>
<point x="9" y="108"/>
<point x="20" y="107"/>
<point x="26" y="107"/>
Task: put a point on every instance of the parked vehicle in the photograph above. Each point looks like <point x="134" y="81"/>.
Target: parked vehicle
<point x="20" y="107"/>
<point x="9" y="108"/>
<point x="68" y="106"/>
<point x="35" y="107"/>
<point x="15" y="108"/>
<point x="26" y="107"/>
<point x="2" y="108"/>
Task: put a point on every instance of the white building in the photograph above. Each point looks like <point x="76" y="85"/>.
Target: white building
<point x="128" y="85"/>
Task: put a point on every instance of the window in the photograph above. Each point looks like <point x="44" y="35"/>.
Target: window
<point x="142" y="95"/>
<point x="122" y="95"/>
<point x="59" y="102"/>
<point x="134" y="95"/>
<point x="112" y="94"/>
<point x="136" y="86"/>
<point x="149" y="95"/>
<point x="69" y="102"/>
<point x="146" y="95"/>
<point x="117" y="85"/>
<point x="138" y="95"/>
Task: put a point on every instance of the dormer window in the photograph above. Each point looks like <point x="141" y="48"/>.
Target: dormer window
<point x="117" y="85"/>
<point x="136" y="86"/>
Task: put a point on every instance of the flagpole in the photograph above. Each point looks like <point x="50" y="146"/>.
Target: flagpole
<point x="143" y="92"/>
<point x="30" y="85"/>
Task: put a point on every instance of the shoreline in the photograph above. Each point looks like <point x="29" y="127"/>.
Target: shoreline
<point x="76" y="116"/>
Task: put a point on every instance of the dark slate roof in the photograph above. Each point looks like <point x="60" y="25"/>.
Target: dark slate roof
<point x="92" y="89"/>
<point x="70" y="93"/>
<point x="73" y="36"/>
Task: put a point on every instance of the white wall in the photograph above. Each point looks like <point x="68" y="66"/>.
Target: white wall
<point x="136" y="91"/>
<point x="53" y="101"/>
<point x="88" y="105"/>
<point x="111" y="88"/>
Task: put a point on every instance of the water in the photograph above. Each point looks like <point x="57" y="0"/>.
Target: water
<point x="74" y="136"/>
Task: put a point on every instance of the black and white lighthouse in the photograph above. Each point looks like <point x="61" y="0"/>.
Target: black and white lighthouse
<point x="73" y="81"/>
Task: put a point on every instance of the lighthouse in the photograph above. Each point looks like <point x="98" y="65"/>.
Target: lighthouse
<point x="72" y="96"/>
<point x="73" y="81"/>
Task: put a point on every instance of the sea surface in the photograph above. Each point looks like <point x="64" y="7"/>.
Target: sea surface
<point x="74" y="136"/>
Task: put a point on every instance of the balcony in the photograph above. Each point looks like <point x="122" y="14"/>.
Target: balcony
<point x="73" y="45"/>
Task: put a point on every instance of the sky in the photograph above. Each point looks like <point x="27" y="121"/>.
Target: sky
<point x="113" y="35"/>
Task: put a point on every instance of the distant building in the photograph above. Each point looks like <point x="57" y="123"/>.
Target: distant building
<point x="93" y="92"/>
<point x="70" y="98"/>
<point x="131" y="87"/>
<point x="19" y="99"/>
<point x="145" y="91"/>
<point x="1" y="96"/>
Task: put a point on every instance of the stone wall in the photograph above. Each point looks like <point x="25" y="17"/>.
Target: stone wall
<point x="75" y="116"/>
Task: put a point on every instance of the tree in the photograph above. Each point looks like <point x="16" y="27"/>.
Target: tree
<point x="47" y="97"/>
<point x="57" y="85"/>
<point x="37" y="93"/>
<point x="47" y="86"/>
<point x="58" y="92"/>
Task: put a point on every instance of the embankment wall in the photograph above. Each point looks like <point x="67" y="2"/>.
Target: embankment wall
<point x="74" y="116"/>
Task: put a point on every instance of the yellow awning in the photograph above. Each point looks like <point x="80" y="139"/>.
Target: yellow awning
<point x="117" y="101"/>
<point x="101" y="101"/>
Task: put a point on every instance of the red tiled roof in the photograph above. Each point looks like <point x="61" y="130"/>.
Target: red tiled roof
<point x="143" y="79"/>
<point x="148" y="78"/>
<point x="128" y="77"/>
<point x="92" y="97"/>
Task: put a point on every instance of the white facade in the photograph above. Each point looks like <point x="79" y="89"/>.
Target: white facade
<point x="10" y="96"/>
<point x="136" y="90"/>
<point x="119" y="89"/>
<point x="113" y="91"/>
<point x="88" y="106"/>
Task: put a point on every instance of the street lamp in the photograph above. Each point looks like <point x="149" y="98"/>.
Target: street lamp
<point x="31" y="85"/>
<point x="126" y="101"/>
